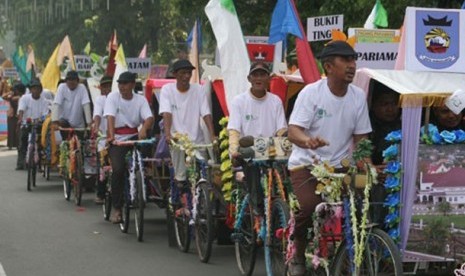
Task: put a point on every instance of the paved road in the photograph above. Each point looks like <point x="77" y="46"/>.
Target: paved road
<point x="42" y="234"/>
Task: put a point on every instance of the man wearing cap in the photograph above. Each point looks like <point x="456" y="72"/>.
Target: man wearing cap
<point x="125" y="112"/>
<point x="31" y="106"/>
<point x="256" y="112"/>
<point x="182" y="104"/>
<point x="101" y="125"/>
<point x="71" y="107"/>
<point x="329" y="117"/>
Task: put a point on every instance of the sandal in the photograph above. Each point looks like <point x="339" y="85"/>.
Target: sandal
<point x="116" y="217"/>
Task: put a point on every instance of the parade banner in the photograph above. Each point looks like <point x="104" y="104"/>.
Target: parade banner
<point x="376" y="55"/>
<point x="374" y="36"/>
<point x="319" y="28"/>
<point x="3" y="119"/>
<point x="10" y="73"/>
<point x="83" y="63"/>
<point x="141" y="66"/>
<point x="433" y="40"/>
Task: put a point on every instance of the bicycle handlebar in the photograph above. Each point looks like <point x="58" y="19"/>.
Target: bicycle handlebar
<point x="129" y="143"/>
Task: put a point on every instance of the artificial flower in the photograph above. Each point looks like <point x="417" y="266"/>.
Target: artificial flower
<point x="390" y="153"/>
<point x="436" y="138"/>
<point x="460" y="136"/>
<point x="392" y="182"/>
<point x="394" y="136"/>
<point x="392" y="218"/>
<point x="392" y="200"/>
<point x="394" y="233"/>
<point x="392" y="167"/>
<point x="448" y="136"/>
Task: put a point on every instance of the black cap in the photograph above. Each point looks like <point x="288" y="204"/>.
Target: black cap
<point x="72" y="75"/>
<point x="259" y="65"/>
<point x="35" y="82"/>
<point x="127" y="77"/>
<point x="337" y="48"/>
<point x="182" y="64"/>
<point x="106" y="79"/>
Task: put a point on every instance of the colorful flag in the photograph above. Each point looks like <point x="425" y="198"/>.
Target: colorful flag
<point x="305" y="59"/>
<point x="198" y="29"/>
<point x="377" y="18"/>
<point x="284" y="21"/>
<point x="234" y="59"/>
<point x="194" y="53"/>
<point x="120" y="67"/>
<point x="112" y="48"/>
<point x="143" y="52"/>
<point x="87" y="49"/>
<point x="51" y="74"/>
<point x="66" y="50"/>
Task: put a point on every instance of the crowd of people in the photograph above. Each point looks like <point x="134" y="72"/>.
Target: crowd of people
<point x="329" y="117"/>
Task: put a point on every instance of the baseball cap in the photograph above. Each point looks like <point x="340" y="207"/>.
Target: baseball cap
<point x="127" y="77"/>
<point x="106" y="79"/>
<point x="182" y="64"/>
<point x="337" y="48"/>
<point x="35" y="82"/>
<point x="72" y="75"/>
<point x="260" y="65"/>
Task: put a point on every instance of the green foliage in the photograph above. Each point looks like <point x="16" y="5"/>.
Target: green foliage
<point x="363" y="150"/>
<point x="436" y="234"/>
<point x="444" y="207"/>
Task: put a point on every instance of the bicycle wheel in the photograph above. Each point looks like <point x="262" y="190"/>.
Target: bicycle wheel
<point x="182" y="218"/>
<point x="245" y="241"/>
<point x="30" y="165"/>
<point x="139" y="206"/>
<point x="275" y="247"/>
<point x="79" y="179"/>
<point x="381" y="257"/>
<point x="204" y="230"/>
<point x="106" y="206"/>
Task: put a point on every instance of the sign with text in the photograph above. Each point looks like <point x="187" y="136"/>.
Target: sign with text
<point x="376" y="55"/>
<point x="435" y="40"/>
<point x="319" y="28"/>
<point x="83" y="63"/>
<point x="141" y="66"/>
<point x="375" y="35"/>
<point x="10" y="73"/>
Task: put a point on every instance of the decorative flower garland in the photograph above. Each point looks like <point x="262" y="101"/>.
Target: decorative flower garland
<point x="434" y="137"/>
<point x="393" y="185"/>
<point x="227" y="175"/>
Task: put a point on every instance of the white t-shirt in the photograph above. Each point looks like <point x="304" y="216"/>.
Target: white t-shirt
<point x="71" y="103"/>
<point x="33" y="108"/>
<point x="128" y="113"/>
<point x="257" y="117"/>
<point x="335" y="119"/>
<point x="186" y="108"/>
<point x="99" y="105"/>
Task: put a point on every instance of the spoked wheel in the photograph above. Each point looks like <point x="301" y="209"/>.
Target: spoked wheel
<point x="182" y="228"/>
<point x="106" y="206"/>
<point x="30" y="169"/>
<point x="204" y="226"/>
<point x="79" y="179"/>
<point x="381" y="257"/>
<point x="275" y="247"/>
<point x="139" y="206"/>
<point x="245" y="240"/>
<point x="124" y="225"/>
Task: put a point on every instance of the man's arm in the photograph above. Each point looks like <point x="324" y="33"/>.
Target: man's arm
<point x="146" y="126"/>
<point x="209" y="122"/>
<point x="110" y="128"/>
<point x="20" y="116"/>
<point x="167" y="123"/>
<point x="296" y="135"/>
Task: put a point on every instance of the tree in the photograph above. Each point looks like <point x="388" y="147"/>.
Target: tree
<point x="436" y="235"/>
<point x="444" y="207"/>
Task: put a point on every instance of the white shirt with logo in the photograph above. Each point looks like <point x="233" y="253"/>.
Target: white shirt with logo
<point x="32" y="108"/>
<point x="128" y="113"/>
<point x="186" y="108"/>
<point x="71" y="103"/>
<point x="335" y="119"/>
<point x="256" y="117"/>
